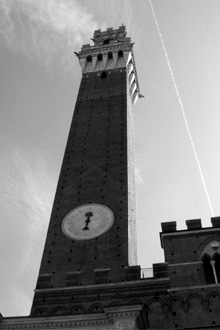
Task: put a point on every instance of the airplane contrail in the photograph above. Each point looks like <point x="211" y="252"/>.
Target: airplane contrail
<point x="181" y="106"/>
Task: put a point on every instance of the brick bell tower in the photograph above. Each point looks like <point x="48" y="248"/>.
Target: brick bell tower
<point x="91" y="240"/>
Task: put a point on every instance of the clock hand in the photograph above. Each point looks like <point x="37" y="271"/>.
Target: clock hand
<point x="87" y="221"/>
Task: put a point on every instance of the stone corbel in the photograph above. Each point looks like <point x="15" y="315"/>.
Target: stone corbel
<point x="105" y="60"/>
<point x="133" y="87"/>
<point x="127" y="57"/>
<point x="131" y="78"/>
<point x="82" y="62"/>
<point x="130" y="68"/>
<point x="94" y="62"/>
<point x="115" y="60"/>
<point x="134" y="98"/>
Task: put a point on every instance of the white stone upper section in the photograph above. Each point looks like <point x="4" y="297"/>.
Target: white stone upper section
<point x="111" y="50"/>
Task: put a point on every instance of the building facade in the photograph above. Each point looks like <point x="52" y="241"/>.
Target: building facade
<point x="89" y="277"/>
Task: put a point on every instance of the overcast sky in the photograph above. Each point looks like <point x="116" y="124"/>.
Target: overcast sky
<point x="40" y="77"/>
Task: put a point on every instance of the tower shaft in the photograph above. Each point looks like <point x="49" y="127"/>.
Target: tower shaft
<point x="92" y="235"/>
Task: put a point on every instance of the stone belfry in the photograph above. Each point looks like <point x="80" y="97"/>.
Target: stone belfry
<point x="91" y="238"/>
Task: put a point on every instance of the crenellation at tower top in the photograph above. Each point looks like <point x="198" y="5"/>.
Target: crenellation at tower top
<point x="111" y="36"/>
<point x="108" y="37"/>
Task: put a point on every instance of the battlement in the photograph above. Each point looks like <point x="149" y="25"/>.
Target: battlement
<point x="109" y="37"/>
<point x="189" y="245"/>
<point x="194" y="224"/>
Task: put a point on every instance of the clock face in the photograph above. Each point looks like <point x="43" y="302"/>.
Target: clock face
<point x="87" y="221"/>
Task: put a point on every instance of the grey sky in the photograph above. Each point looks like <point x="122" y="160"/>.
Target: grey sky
<point x="39" y="81"/>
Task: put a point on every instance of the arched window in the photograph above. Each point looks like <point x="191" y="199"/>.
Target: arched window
<point x="106" y="41"/>
<point x="104" y="75"/>
<point x="110" y="56"/>
<point x="120" y="53"/>
<point x="211" y="262"/>
<point x="99" y="57"/>
<point x="208" y="270"/>
<point x="89" y="58"/>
